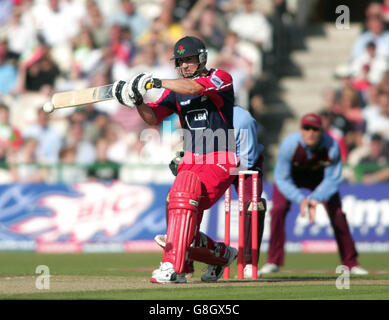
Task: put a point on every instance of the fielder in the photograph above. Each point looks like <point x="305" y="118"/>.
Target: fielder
<point x="203" y="99"/>
<point x="309" y="159"/>
<point x="250" y="155"/>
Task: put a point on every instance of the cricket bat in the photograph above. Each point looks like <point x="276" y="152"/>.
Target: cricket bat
<point x="82" y="97"/>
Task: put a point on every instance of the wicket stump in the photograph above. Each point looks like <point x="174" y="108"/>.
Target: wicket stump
<point x="254" y="224"/>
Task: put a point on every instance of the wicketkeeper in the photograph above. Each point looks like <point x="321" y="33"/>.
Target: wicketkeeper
<point x="309" y="159"/>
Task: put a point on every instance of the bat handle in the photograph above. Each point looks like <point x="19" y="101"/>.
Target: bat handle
<point x="149" y="85"/>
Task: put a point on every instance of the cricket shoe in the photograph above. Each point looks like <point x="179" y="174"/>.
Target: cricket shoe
<point x="358" y="270"/>
<point x="160" y="239"/>
<point x="166" y="274"/>
<point x="215" y="272"/>
<point x="248" y="272"/>
<point x="269" y="268"/>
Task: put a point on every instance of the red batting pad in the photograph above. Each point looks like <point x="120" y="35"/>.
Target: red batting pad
<point x="184" y="197"/>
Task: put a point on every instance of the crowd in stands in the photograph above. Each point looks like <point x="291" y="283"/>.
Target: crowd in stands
<point x="356" y="113"/>
<point x="49" y="46"/>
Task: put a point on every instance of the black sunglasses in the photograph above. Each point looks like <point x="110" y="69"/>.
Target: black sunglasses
<point x="310" y="128"/>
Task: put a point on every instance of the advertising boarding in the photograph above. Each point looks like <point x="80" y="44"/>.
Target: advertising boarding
<point x="120" y="217"/>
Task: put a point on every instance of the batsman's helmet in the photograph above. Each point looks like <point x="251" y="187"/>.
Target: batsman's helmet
<point x="188" y="47"/>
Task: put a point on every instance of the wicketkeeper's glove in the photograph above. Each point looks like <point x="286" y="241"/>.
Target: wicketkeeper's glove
<point x="174" y="163"/>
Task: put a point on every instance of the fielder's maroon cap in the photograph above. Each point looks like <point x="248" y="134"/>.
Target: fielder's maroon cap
<point x="311" y="119"/>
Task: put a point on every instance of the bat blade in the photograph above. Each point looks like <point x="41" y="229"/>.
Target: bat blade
<point x="82" y="97"/>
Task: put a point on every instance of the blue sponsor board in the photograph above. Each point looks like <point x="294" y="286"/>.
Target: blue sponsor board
<point x="109" y="215"/>
<point x="80" y="213"/>
<point x="366" y="209"/>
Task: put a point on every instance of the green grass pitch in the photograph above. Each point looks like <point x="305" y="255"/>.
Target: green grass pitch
<point x="126" y="276"/>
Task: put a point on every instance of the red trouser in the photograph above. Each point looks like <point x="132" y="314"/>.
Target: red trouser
<point x="214" y="172"/>
<point x="344" y="240"/>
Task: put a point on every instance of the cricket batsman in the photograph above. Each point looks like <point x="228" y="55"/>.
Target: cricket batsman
<point x="309" y="159"/>
<point x="250" y="154"/>
<point x="203" y="100"/>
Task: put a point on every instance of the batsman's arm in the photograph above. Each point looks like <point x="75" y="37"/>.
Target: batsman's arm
<point x="147" y="114"/>
<point x="182" y="86"/>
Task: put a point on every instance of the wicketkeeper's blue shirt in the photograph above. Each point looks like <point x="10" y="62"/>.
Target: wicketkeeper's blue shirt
<point x="246" y="135"/>
<point x="299" y="167"/>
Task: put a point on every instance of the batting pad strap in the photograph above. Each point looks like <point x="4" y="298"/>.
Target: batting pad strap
<point x="207" y="256"/>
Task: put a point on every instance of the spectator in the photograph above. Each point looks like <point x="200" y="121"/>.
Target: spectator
<point x="256" y="27"/>
<point x="95" y="128"/>
<point x="374" y="10"/>
<point x="208" y="21"/>
<point x="237" y="62"/>
<point x="378" y="122"/>
<point x="122" y="43"/>
<point x="8" y="70"/>
<point x="181" y="9"/>
<point x="24" y="166"/>
<point x="372" y="109"/>
<point x="368" y="68"/>
<point x="39" y="72"/>
<point x="130" y="19"/>
<point x="85" y="152"/>
<point x="69" y="171"/>
<point x="349" y="106"/>
<point x="117" y="148"/>
<point x="58" y="21"/>
<point x="103" y="169"/>
<point x="108" y="8"/>
<point x="97" y="24"/>
<point x="375" y="33"/>
<point x="209" y="31"/>
<point x="49" y="141"/>
<point x="10" y="137"/>
<point x="334" y="133"/>
<point x="375" y="165"/>
<point x="21" y="34"/>
<point x="86" y="56"/>
<point x="91" y="113"/>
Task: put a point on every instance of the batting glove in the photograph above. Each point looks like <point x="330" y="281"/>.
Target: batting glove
<point x="123" y="93"/>
<point x="138" y="86"/>
<point x="173" y="165"/>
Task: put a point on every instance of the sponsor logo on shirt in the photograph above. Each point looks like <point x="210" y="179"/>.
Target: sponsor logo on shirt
<point x="200" y="117"/>
<point x="216" y="81"/>
<point x="197" y="119"/>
